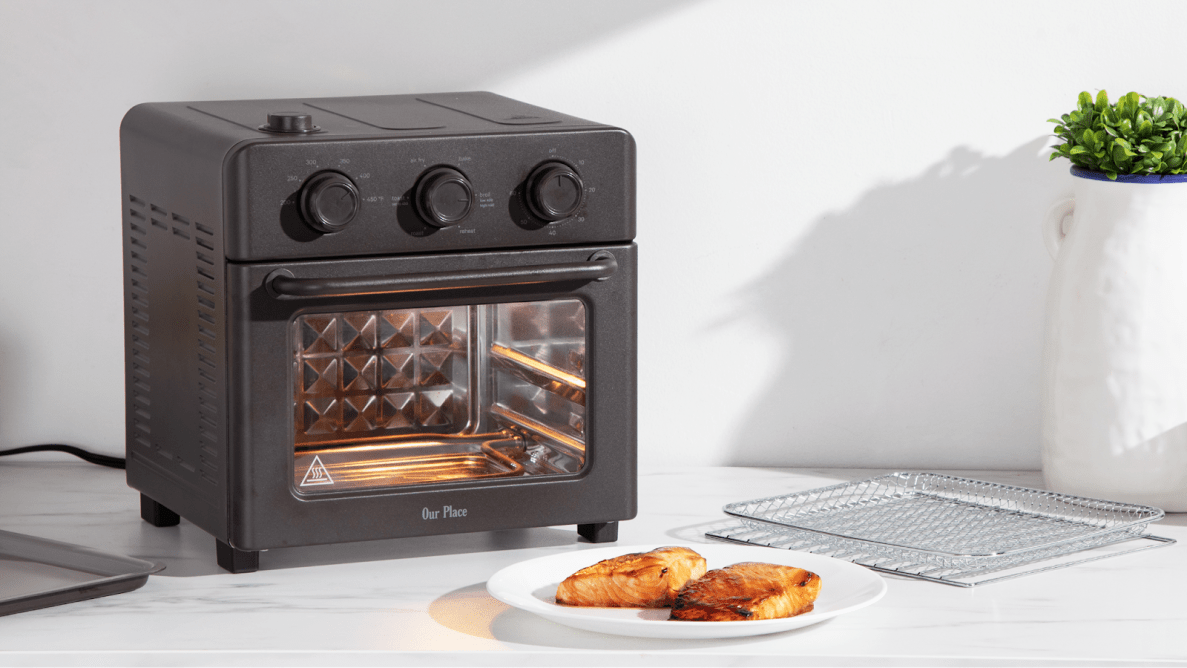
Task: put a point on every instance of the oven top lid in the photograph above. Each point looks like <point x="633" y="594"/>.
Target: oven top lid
<point x="450" y="113"/>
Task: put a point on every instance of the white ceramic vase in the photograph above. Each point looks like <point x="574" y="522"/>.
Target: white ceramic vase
<point x="1115" y="355"/>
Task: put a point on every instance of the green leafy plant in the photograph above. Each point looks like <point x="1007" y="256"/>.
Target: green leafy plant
<point x="1138" y="135"/>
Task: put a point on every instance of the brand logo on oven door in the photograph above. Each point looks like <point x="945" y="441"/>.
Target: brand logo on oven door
<point x="317" y="474"/>
<point x="446" y="512"/>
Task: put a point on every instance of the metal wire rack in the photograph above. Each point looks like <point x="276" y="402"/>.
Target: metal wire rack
<point x="943" y="528"/>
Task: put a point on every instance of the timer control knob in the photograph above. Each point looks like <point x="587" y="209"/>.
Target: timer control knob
<point x="554" y="191"/>
<point x="444" y="197"/>
<point x="329" y="201"/>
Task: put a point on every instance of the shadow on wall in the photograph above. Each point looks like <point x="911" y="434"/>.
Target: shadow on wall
<point x="485" y="42"/>
<point x="912" y="324"/>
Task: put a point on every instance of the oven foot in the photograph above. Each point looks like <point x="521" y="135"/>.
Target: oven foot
<point x="599" y="532"/>
<point x="156" y="514"/>
<point x="237" y="561"/>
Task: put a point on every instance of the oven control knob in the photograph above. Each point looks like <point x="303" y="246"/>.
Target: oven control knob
<point x="554" y="191"/>
<point x="328" y="201"/>
<point x="444" y="197"/>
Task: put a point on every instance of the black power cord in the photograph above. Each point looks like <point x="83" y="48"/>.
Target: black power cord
<point x="101" y="460"/>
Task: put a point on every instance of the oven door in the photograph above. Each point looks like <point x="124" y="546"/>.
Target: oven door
<point x="399" y="396"/>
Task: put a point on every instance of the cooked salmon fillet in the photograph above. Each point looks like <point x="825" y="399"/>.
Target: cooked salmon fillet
<point x="637" y="580"/>
<point x="747" y="591"/>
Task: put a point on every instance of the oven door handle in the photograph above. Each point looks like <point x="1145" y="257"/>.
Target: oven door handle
<point x="281" y="283"/>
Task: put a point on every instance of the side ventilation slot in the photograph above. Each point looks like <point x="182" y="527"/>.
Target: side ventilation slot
<point x="208" y="346"/>
<point x="139" y="412"/>
<point x="182" y="458"/>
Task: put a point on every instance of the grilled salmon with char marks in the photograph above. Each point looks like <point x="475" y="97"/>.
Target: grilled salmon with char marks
<point x="636" y="580"/>
<point x="747" y="591"/>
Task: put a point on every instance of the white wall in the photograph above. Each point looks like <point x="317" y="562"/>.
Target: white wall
<point x="838" y="201"/>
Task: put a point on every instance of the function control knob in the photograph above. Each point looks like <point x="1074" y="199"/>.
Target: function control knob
<point x="444" y="197"/>
<point x="329" y="201"/>
<point x="554" y="191"/>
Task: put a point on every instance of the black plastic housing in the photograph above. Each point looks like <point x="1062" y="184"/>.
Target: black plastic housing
<point x="211" y="212"/>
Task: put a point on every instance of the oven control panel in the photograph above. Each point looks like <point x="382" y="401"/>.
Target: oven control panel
<point x="443" y="196"/>
<point x="307" y="199"/>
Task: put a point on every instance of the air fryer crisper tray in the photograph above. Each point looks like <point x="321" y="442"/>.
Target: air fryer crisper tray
<point x="940" y="527"/>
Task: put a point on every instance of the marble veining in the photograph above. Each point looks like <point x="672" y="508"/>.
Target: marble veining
<point x="423" y="600"/>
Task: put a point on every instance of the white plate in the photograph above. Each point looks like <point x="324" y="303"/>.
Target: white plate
<point x="531" y="586"/>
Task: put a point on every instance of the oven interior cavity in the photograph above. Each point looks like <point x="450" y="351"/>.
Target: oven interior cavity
<point x="390" y="398"/>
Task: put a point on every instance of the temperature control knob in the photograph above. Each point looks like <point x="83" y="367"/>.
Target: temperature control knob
<point x="444" y="197"/>
<point x="554" y="191"/>
<point x="329" y="201"/>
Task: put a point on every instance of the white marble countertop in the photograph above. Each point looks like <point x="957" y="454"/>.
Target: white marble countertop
<point x="423" y="601"/>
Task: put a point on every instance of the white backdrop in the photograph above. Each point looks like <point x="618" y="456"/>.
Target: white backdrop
<point x="839" y="202"/>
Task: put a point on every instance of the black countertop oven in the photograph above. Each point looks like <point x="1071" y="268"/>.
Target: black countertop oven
<point x="375" y="317"/>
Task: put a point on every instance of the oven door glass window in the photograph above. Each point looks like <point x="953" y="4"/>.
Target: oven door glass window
<point x="412" y="396"/>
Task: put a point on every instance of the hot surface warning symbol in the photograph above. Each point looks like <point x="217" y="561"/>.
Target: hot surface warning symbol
<point x="317" y="474"/>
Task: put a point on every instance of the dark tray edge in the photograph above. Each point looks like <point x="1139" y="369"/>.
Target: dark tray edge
<point x="105" y="587"/>
<point x="113" y="573"/>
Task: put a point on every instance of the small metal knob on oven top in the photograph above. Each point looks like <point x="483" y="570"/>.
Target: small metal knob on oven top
<point x="329" y="201"/>
<point x="554" y="191"/>
<point x="290" y="122"/>
<point x="444" y="197"/>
